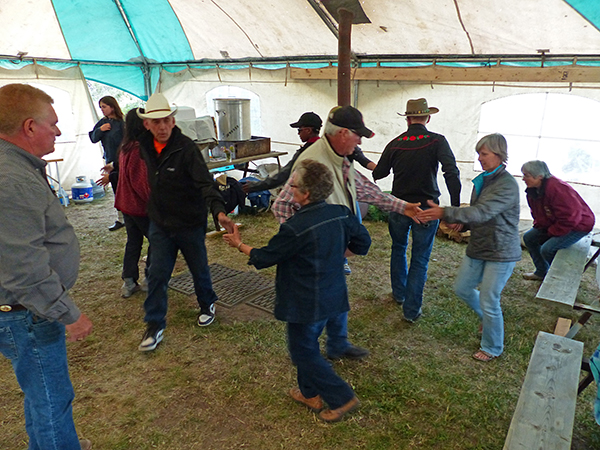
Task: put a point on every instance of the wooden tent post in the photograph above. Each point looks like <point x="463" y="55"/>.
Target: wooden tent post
<point x="344" y="48"/>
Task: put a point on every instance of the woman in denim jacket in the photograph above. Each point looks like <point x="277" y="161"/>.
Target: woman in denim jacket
<point x="310" y="284"/>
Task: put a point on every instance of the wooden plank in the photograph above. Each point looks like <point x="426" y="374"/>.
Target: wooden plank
<point x="562" y="326"/>
<point x="217" y="164"/>
<point x="562" y="280"/>
<point x="545" y="412"/>
<point x="436" y="73"/>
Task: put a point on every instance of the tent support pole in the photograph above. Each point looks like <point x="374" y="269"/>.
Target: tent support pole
<point x="344" y="49"/>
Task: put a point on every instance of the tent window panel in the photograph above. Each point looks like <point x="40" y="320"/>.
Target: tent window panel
<point x="556" y="128"/>
<point x="517" y="114"/>
<point x="571" y="117"/>
<point x="64" y="112"/>
<point x="520" y="150"/>
<point x="571" y="160"/>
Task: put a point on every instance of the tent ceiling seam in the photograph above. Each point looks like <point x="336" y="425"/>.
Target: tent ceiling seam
<point x="255" y="46"/>
<point x="325" y="17"/>
<point x="463" y="26"/>
<point x="144" y="60"/>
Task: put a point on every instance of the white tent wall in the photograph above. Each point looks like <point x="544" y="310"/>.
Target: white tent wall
<point x="282" y="100"/>
<point x="75" y="118"/>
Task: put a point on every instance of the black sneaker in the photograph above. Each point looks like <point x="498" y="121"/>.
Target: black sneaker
<point x="152" y="337"/>
<point x="116" y="226"/>
<point x="351" y="352"/>
<point x="206" y="316"/>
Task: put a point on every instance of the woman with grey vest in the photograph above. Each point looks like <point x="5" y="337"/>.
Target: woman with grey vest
<point x="494" y="246"/>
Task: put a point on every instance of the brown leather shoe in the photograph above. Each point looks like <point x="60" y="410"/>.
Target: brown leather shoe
<point x="315" y="403"/>
<point x="532" y="276"/>
<point x="85" y="444"/>
<point x="335" y="415"/>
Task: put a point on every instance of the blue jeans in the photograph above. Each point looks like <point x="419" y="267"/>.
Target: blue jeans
<point x="315" y="374"/>
<point x="491" y="277"/>
<point x="165" y="245"/>
<point x="137" y="227"/>
<point x="337" y="335"/>
<point x="408" y="284"/>
<point x="543" y="248"/>
<point x="37" y="351"/>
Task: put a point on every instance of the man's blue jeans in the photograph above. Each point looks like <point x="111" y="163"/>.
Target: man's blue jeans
<point x="408" y="284"/>
<point x="315" y="374"/>
<point x="37" y="351"/>
<point x="543" y="248"/>
<point x="165" y="245"/>
<point x="491" y="277"/>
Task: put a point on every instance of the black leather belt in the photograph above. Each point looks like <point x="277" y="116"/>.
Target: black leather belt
<point x="12" y="308"/>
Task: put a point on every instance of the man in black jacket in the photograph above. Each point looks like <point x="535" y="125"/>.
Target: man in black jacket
<point x="181" y="190"/>
<point x="414" y="157"/>
<point x="308" y="127"/>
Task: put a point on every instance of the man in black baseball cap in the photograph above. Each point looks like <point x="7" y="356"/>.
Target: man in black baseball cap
<point x="350" y="118"/>
<point x="309" y="125"/>
<point x="343" y="131"/>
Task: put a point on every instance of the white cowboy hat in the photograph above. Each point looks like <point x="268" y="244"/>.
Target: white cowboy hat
<point x="157" y="107"/>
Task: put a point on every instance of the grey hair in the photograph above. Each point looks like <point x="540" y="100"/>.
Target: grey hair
<point x="314" y="178"/>
<point x="495" y="143"/>
<point x="536" y="168"/>
<point x="331" y="129"/>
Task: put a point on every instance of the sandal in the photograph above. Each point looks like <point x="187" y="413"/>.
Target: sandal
<point x="482" y="356"/>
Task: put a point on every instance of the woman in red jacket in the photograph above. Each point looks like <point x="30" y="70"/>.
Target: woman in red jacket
<point x="132" y="200"/>
<point x="560" y="216"/>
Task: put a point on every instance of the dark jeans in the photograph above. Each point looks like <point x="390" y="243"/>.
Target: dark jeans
<point x="315" y="374"/>
<point x="136" y="227"/>
<point x="543" y="248"/>
<point x="37" y="351"/>
<point x="165" y="245"/>
<point x="337" y="335"/>
<point x="408" y="283"/>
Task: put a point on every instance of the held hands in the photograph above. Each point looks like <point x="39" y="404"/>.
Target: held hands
<point x="412" y="210"/>
<point x="433" y="213"/>
<point x="79" y="330"/>
<point x="226" y="222"/>
<point x="233" y="239"/>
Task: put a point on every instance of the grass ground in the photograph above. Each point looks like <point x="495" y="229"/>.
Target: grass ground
<point x="224" y="386"/>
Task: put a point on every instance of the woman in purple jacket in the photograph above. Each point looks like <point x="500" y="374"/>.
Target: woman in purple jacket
<point x="560" y="216"/>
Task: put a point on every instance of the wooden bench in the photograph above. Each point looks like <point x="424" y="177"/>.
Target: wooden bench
<point x="562" y="280"/>
<point x="545" y="412"/>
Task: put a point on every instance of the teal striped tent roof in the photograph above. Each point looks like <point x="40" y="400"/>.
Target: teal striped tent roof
<point x="125" y="43"/>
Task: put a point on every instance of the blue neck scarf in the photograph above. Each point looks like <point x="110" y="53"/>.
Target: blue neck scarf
<point x="479" y="179"/>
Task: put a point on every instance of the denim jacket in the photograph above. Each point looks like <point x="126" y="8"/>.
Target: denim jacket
<point x="309" y="252"/>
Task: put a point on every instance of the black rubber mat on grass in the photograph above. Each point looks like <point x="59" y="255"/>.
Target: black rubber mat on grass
<point x="231" y="286"/>
<point x="264" y="301"/>
<point x="185" y="284"/>
<point x="240" y="288"/>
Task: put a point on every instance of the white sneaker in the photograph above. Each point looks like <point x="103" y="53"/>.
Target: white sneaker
<point x="152" y="337"/>
<point x="206" y="316"/>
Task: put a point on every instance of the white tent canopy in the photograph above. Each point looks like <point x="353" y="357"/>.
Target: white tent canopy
<point x="460" y="55"/>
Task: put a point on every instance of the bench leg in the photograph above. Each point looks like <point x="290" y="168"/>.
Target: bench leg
<point x="578" y="325"/>
<point x="585" y="367"/>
